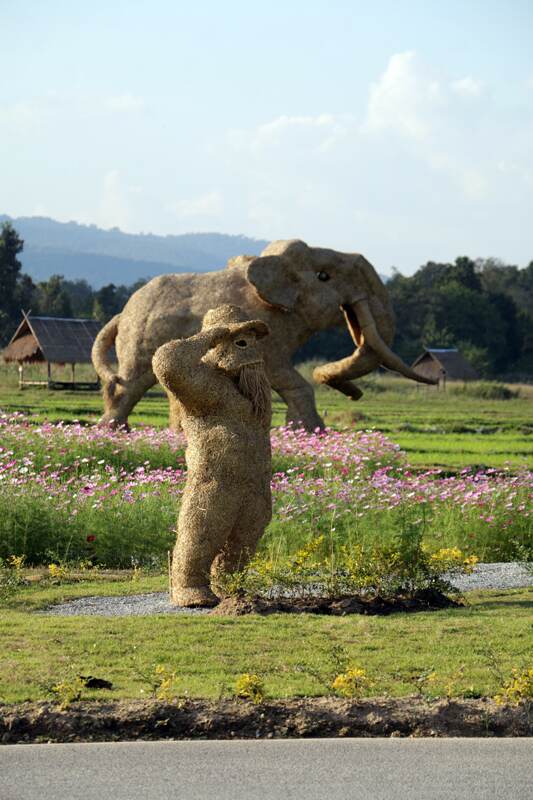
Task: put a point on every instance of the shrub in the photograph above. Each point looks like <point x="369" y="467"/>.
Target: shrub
<point x="164" y="681"/>
<point x="485" y="390"/>
<point x="517" y="689"/>
<point x="352" y="683"/>
<point x="250" y="686"/>
<point x="402" y="568"/>
<point x="11" y="576"/>
<point x="58" y="572"/>
<point x="68" y="691"/>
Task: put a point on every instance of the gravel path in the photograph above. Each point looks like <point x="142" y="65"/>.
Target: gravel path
<point x="511" y="575"/>
<point x="133" y="605"/>
<point x="485" y="576"/>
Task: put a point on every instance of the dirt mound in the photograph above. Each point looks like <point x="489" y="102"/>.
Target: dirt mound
<point x="229" y="719"/>
<point x="421" y="601"/>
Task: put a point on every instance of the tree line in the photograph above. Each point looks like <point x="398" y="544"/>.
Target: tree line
<point x="483" y="307"/>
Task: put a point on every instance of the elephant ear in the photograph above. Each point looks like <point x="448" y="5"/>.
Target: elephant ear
<point x="275" y="281"/>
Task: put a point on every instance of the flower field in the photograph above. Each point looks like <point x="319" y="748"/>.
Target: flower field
<point x="74" y="492"/>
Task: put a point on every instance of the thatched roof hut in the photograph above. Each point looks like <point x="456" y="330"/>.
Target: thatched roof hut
<point x="53" y="340"/>
<point x="445" y="364"/>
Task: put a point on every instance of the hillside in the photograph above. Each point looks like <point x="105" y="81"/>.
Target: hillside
<point x="111" y="256"/>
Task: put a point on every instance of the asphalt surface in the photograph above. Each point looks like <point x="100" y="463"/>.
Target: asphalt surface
<point x="312" y="769"/>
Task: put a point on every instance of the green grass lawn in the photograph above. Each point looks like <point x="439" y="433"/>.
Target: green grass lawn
<point x="434" y="428"/>
<point x="465" y="648"/>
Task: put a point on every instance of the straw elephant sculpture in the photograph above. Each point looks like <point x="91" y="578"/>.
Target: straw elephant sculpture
<point x="296" y="289"/>
<point x="218" y="378"/>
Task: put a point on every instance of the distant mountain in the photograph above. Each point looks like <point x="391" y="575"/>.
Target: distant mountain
<point x="111" y="256"/>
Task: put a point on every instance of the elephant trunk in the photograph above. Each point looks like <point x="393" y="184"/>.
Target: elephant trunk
<point x="371" y="352"/>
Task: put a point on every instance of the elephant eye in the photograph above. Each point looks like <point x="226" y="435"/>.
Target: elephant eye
<point x="241" y="343"/>
<point x="323" y="276"/>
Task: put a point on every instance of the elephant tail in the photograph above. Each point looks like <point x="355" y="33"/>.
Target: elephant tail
<point x="100" y="354"/>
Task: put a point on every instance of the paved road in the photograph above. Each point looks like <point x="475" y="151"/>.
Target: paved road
<point x="313" y="769"/>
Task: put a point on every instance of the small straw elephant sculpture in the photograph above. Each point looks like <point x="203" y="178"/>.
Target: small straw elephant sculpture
<point x="218" y="378"/>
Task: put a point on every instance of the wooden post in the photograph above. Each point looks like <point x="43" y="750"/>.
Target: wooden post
<point x="49" y="373"/>
<point x="73" y="367"/>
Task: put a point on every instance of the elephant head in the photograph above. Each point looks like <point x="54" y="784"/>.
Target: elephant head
<point x="322" y="287"/>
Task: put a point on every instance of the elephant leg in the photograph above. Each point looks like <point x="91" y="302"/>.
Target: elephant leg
<point x="242" y="542"/>
<point x="205" y="522"/>
<point x="299" y="396"/>
<point x="124" y="396"/>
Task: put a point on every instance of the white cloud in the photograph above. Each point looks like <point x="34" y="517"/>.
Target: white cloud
<point x="427" y="114"/>
<point x="282" y="170"/>
<point x="124" y="103"/>
<point x="418" y="140"/>
<point x="210" y="204"/>
<point x="318" y="133"/>
<point x="272" y="130"/>
<point x="402" y="98"/>
<point x="467" y="87"/>
<point x="420" y="150"/>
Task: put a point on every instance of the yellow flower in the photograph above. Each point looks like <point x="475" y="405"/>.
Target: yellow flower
<point x="57" y="571"/>
<point x="165" y="680"/>
<point x="449" y="554"/>
<point x="250" y="687"/>
<point x="136" y="573"/>
<point x="453" y="558"/>
<point x="68" y="690"/>
<point x="16" y="562"/>
<point x="518" y="689"/>
<point x="304" y="553"/>
<point x="352" y="683"/>
<point x="469" y="563"/>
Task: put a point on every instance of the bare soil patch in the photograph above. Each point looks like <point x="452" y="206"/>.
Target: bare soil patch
<point x="229" y="719"/>
<point x="427" y="600"/>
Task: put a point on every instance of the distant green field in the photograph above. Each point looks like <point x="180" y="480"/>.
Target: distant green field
<point x="447" y="429"/>
<point x="442" y="429"/>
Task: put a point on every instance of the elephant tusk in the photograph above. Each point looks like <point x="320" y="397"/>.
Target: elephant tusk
<point x="348" y="388"/>
<point x="352" y="323"/>
<point x="363" y="361"/>
<point x="371" y="351"/>
<point x="339" y="374"/>
<point x="386" y="356"/>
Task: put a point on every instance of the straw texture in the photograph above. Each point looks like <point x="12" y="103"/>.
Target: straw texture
<point x="297" y="290"/>
<point x="218" y="379"/>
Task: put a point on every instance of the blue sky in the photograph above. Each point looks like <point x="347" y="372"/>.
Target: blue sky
<point x="400" y="130"/>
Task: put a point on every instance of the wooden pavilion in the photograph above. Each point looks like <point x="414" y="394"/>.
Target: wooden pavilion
<point x="445" y="364"/>
<point x="53" y="340"/>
